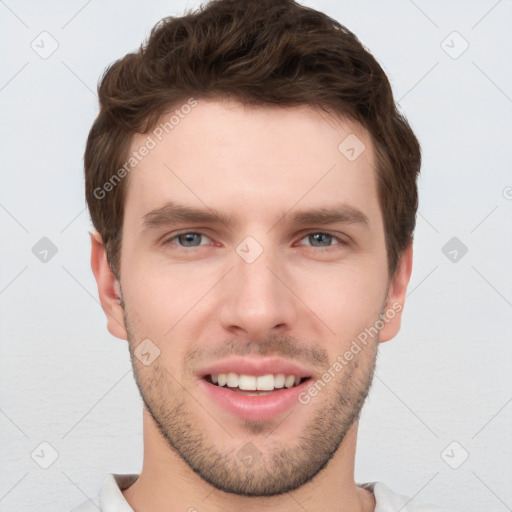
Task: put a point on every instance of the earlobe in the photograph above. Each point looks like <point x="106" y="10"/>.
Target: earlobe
<point x="392" y="314"/>
<point x="109" y="289"/>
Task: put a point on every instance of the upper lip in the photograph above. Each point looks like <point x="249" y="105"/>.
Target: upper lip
<point x="256" y="366"/>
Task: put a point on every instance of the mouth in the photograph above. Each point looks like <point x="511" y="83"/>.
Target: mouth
<point x="255" y="389"/>
<point x="255" y="385"/>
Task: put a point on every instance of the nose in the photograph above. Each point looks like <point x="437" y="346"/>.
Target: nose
<point x="257" y="300"/>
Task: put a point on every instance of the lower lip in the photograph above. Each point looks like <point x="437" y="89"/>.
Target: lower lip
<point x="254" y="408"/>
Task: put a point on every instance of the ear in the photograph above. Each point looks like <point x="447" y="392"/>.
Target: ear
<point x="392" y="314"/>
<point x="109" y="289"/>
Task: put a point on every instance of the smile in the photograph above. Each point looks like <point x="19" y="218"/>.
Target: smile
<point x="254" y="383"/>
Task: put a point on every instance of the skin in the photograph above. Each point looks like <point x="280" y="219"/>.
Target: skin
<point x="194" y="301"/>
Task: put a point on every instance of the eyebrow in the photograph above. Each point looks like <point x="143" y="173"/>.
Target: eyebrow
<point x="172" y="213"/>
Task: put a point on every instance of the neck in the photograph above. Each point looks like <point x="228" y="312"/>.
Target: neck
<point x="166" y="483"/>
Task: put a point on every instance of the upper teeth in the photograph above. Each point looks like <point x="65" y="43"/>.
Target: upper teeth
<point x="253" y="383"/>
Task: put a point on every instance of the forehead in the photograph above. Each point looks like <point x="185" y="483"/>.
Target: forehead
<point x="251" y="161"/>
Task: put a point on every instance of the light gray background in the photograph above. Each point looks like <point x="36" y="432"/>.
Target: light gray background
<point x="446" y="377"/>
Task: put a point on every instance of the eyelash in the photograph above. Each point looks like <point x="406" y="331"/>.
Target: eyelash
<point x="341" y="242"/>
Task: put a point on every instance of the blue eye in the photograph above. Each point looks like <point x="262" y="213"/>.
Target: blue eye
<point x="324" y="239"/>
<point x="317" y="239"/>
<point x="188" y="239"/>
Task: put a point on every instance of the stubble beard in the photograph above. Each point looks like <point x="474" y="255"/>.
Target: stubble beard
<point x="275" y="470"/>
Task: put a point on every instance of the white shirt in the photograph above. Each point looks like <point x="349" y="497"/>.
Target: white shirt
<point x="112" y="499"/>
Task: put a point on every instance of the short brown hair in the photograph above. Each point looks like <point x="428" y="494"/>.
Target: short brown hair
<point x="259" y="52"/>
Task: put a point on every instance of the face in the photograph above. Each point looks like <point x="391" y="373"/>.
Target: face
<point x="253" y="255"/>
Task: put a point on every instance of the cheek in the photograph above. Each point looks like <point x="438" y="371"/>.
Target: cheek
<point x="341" y="299"/>
<point x="159" y="296"/>
<point x="347" y="300"/>
<point x="157" y="308"/>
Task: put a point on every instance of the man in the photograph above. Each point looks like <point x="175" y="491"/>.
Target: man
<point x="253" y="190"/>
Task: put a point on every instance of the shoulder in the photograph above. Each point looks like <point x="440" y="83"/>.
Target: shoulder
<point x="390" y="501"/>
<point x="110" y="497"/>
